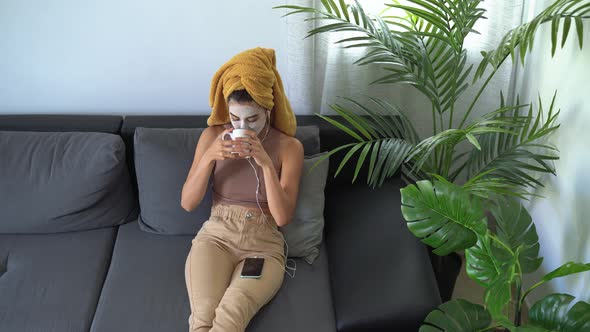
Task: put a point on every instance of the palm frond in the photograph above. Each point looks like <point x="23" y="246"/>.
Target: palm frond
<point x="440" y="29"/>
<point x="427" y="53"/>
<point x="515" y="158"/>
<point x="384" y="138"/>
<point x="390" y="156"/>
<point x="455" y="20"/>
<point x="493" y="122"/>
<point x="423" y="150"/>
<point x="486" y="187"/>
<point x="385" y="157"/>
<point x="522" y="37"/>
<point x="399" y="119"/>
<point x="374" y="32"/>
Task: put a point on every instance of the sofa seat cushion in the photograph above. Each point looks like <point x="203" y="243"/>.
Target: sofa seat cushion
<point x="145" y="289"/>
<point x="381" y="275"/>
<point x="51" y="282"/>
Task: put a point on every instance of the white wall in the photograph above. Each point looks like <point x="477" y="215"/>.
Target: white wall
<point x="126" y="57"/>
<point x="563" y="217"/>
<point x="158" y="57"/>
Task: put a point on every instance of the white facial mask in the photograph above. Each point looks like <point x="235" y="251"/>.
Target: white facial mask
<point x="246" y="113"/>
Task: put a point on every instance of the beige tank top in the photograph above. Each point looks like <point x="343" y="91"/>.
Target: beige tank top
<point x="234" y="180"/>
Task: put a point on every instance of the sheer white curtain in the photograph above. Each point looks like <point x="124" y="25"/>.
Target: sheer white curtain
<point x="319" y="71"/>
<point x="562" y="215"/>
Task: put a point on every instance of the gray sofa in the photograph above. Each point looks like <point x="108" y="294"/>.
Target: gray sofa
<point x="106" y="274"/>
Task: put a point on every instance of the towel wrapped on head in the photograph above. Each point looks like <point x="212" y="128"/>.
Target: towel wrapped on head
<point x="255" y="71"/>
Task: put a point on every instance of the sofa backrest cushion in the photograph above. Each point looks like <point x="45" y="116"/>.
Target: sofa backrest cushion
<point x="53" y="182"/>
<point x="304" y="234"/>
<point x="163" y="157"/>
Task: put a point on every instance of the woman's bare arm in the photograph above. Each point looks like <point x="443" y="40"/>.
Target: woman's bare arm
<point x="282" y="194"/>
<point x="195" y="186"/>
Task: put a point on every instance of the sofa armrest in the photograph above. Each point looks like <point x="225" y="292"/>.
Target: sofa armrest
<point x="381" y="275"/>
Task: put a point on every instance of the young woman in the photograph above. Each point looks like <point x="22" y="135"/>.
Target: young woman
<point x="255" y="181"/>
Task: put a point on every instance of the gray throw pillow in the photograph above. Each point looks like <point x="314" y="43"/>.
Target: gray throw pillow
<point x="53" y="182"/>
<point x="304" y="233"/>
<point x="163" y="157"/>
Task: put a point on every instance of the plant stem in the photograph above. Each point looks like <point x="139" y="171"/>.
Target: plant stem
<point x="451" y="117"/>
<point x="480" y="92"/>
<point x="457" y="61"/>
<point x="530" y="290"/>
<point x="448" y="159"/>
<point x="433" y="120"/>
<point x="434" y="133"/>
<point x="518" y="308"/>
<point x="445" y="148"/>
<point x="440" y="165"/>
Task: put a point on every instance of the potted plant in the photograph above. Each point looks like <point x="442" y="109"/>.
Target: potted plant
<point x="455" y="201"/>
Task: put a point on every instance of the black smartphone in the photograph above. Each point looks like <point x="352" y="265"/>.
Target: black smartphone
<point x="252" y="267"/>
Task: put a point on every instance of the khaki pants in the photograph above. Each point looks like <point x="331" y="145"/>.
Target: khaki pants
<point x="220" y="300"/>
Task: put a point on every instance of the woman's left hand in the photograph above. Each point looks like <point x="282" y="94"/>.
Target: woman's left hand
<point x="255" y="149"/>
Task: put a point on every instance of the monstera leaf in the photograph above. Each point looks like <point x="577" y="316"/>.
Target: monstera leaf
<point x="457" y="316"/>
<point x="492" y="262"/>
<point x="498" y="295"/>
<point x="492" y="266"/>
<point x="553" y="314"/>
<point x="486" y="261"/>
<point x="515" y="227"/>
<point x="443" y="215"/>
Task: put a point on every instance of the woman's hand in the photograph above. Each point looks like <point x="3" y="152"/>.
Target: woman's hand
<point x="254" y="150"/>
<point x="222" y="149"/>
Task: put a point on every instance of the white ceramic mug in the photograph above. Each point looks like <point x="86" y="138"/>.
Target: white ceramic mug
<point x="235" y="134"/>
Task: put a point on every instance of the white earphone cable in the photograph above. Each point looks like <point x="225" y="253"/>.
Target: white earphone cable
<point x="287" y="268"/>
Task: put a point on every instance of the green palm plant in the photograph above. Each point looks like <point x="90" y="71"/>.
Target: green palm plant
<point x="449" y="193"/>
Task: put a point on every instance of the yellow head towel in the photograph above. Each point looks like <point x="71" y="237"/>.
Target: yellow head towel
<point x="254" y="70"/>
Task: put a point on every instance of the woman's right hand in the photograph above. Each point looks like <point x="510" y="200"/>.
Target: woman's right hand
<point x="221" y="149"/>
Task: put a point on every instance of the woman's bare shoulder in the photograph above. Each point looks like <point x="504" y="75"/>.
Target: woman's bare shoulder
<point x="290" y="144"/>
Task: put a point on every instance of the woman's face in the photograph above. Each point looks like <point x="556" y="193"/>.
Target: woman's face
<point x="247" y="116"/>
